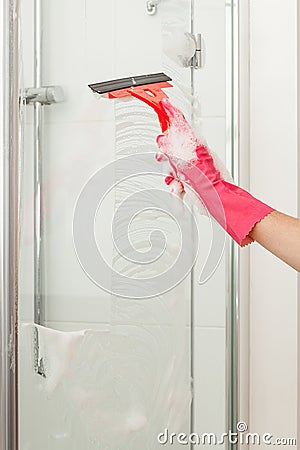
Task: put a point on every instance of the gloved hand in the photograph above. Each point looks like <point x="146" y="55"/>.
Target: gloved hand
<point x="191" y="162"/>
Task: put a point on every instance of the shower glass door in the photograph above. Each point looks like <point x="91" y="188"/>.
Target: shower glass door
<point x="121" y="351"/>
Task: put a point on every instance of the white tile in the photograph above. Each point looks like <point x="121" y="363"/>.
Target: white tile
<point x="100" y="29"/>
<point x="63" y="43"/>
<point x="26" y="42"/>
<point x="76" y="53"/>
<point x="138" y="41"/>
<point x="80" y="105"/>
<point x="73" y="153"/>
<point x="214" y="132"/>
<point x="92" y="308"/>
<point x="210" y="297"/>
<point x="77" y="326"/>
<point x="210" y="81"/>
<point x="209" y="381"/>
<point x="171" y="308"/>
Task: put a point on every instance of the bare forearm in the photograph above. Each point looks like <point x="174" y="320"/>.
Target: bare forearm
<point x="280" y="234"/>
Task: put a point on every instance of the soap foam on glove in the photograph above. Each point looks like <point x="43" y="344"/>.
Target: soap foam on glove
<point x="192" y="163"/>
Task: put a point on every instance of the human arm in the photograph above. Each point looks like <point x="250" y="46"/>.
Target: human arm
<point x="244" y="217"/>
<point x="280" y="234"/>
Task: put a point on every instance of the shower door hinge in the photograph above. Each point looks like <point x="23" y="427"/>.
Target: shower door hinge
<point x="46" y="95"/>
<point x="197" y="61"/>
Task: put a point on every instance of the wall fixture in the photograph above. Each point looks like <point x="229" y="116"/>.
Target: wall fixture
<point x="151" y="7"/>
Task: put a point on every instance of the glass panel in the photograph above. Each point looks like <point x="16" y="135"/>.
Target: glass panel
<point x="98" y="370"/>
<point x="210" y="299"/>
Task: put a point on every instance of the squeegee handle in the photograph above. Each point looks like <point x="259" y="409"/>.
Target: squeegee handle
<point x="152" y="95"/>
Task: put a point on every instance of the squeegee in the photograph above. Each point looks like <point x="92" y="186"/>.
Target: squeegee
<point x="147" y="88"/>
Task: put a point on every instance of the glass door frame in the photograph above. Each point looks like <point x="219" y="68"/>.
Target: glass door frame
<point x="9" y="225"/>
<point x="9" y="168"/>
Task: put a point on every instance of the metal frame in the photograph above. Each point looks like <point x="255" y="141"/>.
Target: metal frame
<point x="238" y="160"/>
<point x="38" y="136"/>
<point x="9" y="226"/>
<point x="192" y="299"/>
<point x="232" y="160"/>
<point x="298" y="118"/>
<point x="243" y="138"/>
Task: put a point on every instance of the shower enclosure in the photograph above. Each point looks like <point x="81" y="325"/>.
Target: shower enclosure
<point x="117" y="356"/>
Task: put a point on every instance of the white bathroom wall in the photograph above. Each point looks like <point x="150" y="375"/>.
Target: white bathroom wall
<point x="273" y="178"/>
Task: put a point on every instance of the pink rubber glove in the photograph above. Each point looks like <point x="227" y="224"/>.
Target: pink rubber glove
<point x="191" y="162"/>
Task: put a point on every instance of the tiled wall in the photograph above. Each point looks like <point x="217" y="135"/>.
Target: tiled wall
<point x="88" y="41"/>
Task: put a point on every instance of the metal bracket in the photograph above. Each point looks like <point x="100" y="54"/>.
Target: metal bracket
<point x="46" y="95"/>
<point x="197" y="61"/>
<point x="151" y="7"/>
